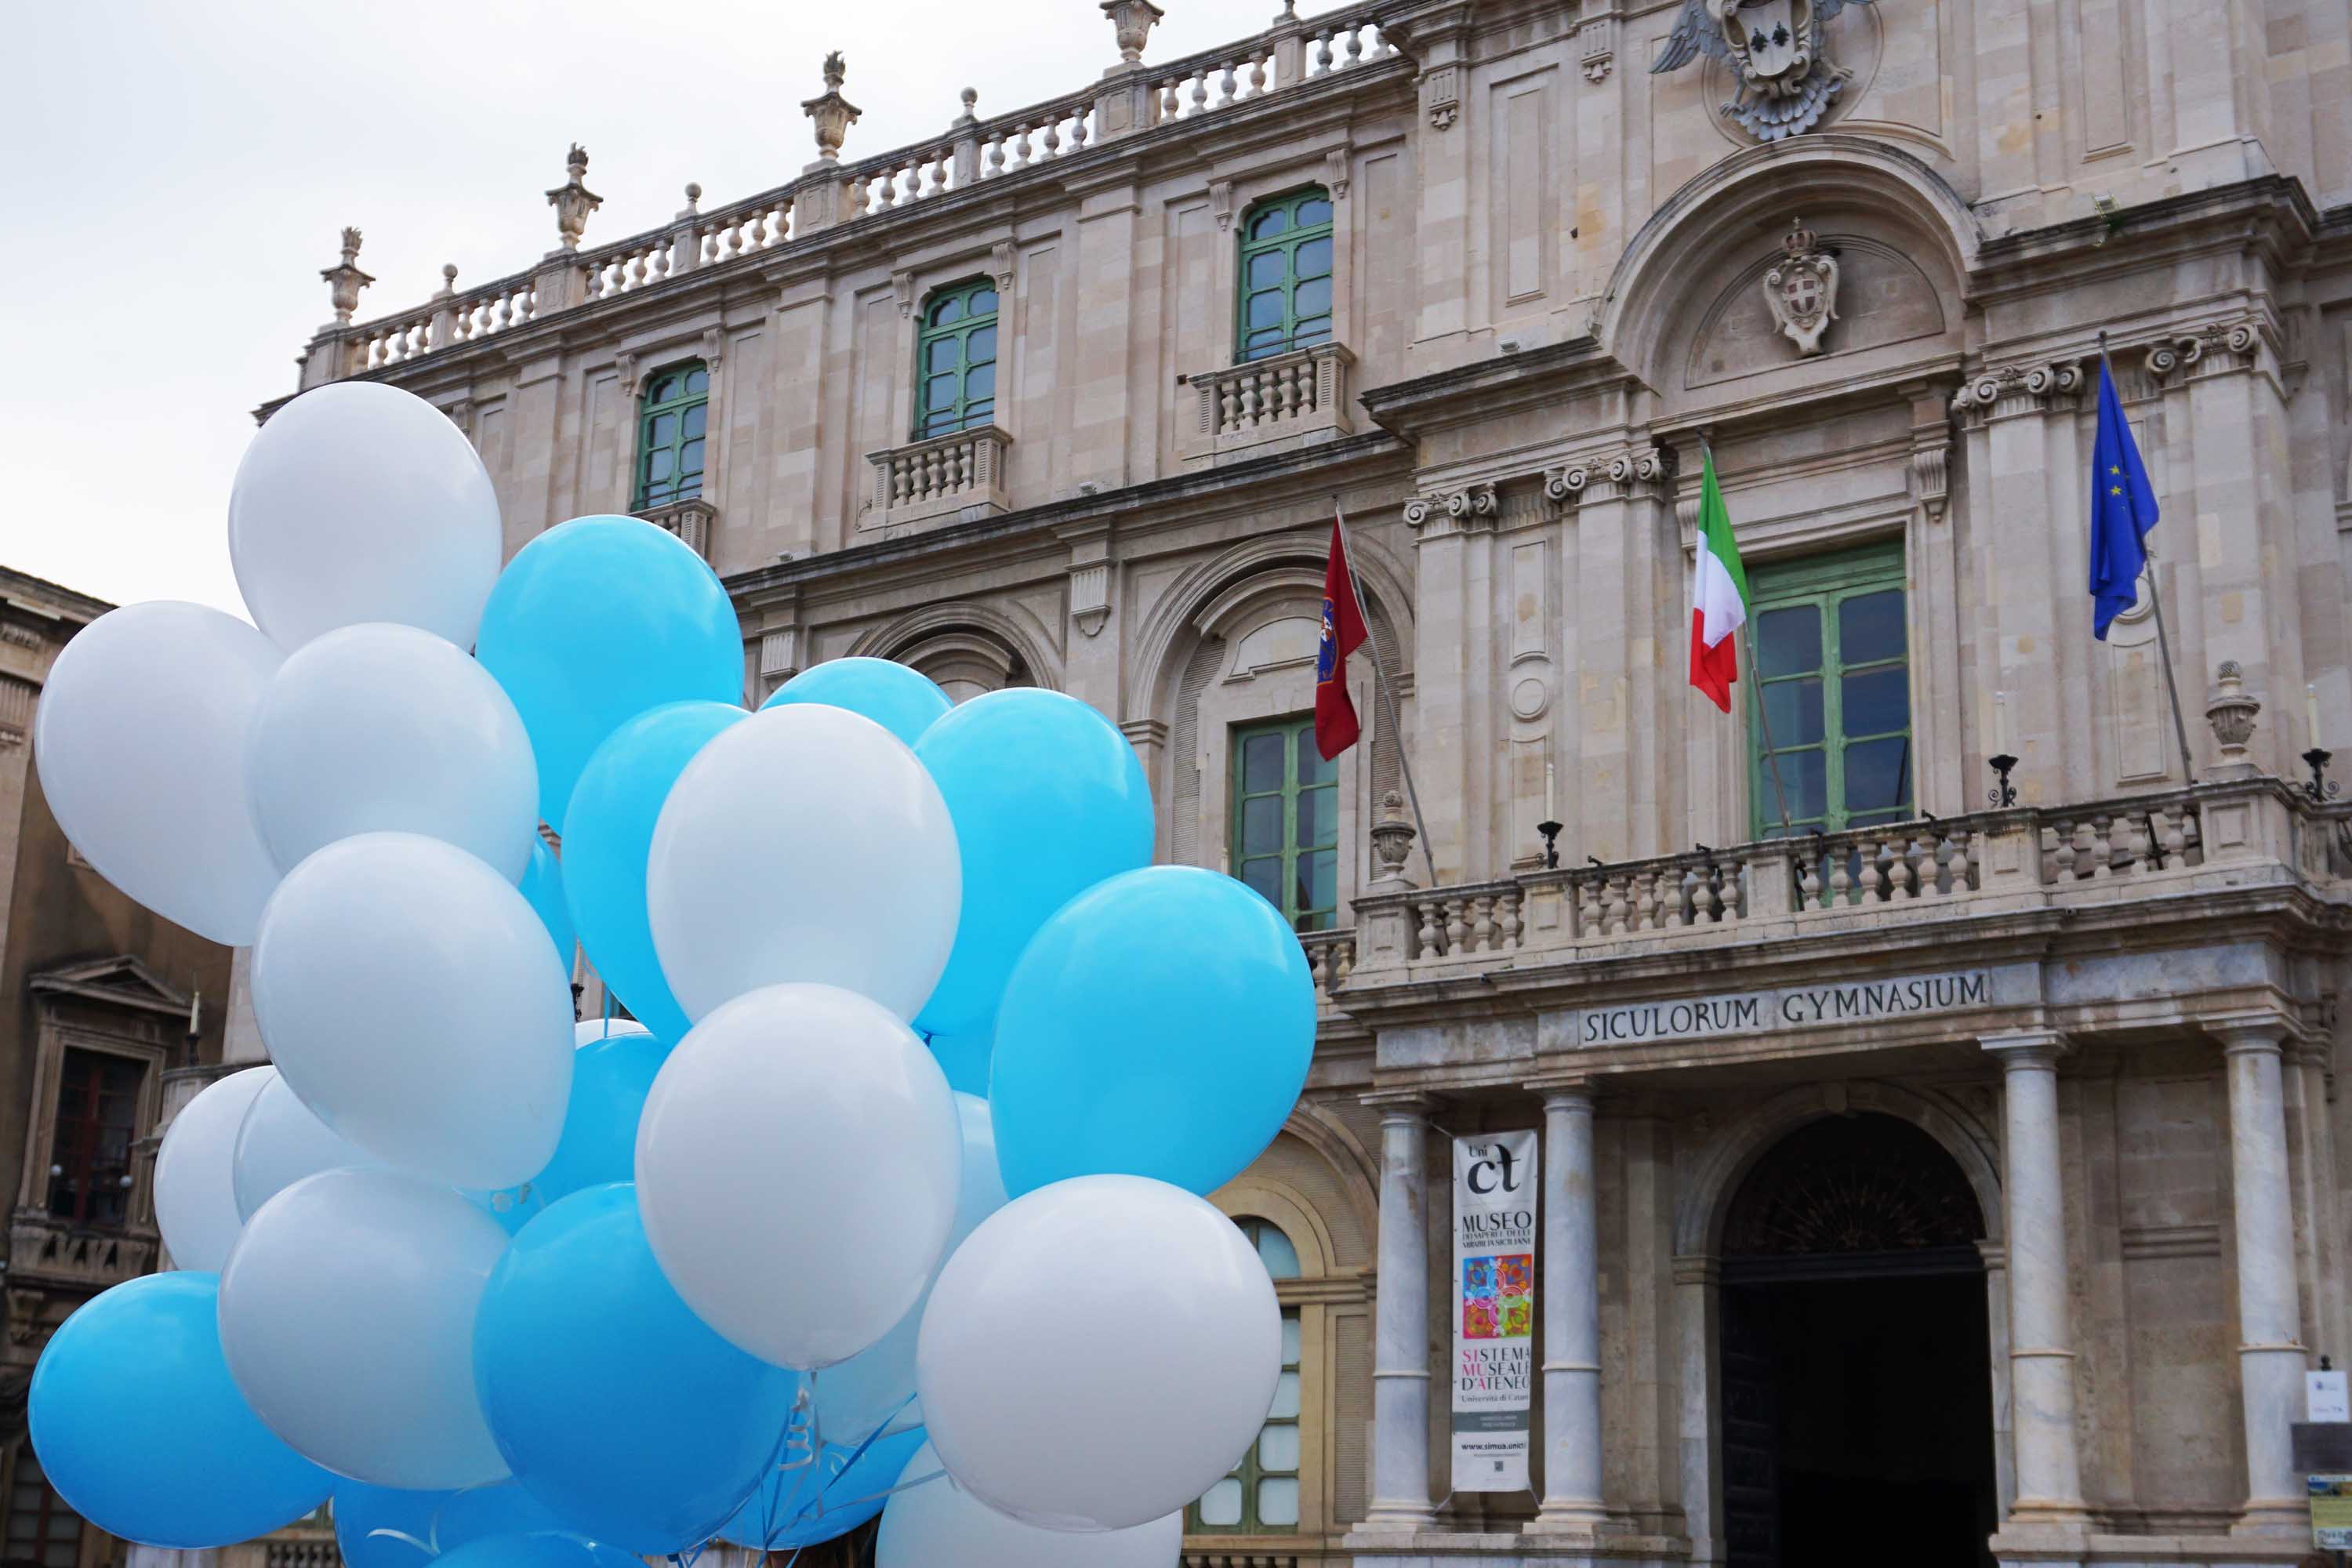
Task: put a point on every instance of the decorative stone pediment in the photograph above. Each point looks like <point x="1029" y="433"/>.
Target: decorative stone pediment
<point x="123" y="980"/>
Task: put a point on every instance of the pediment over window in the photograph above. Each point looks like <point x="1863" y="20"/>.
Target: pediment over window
<point x="122" y="981"/>
<point x="1285" y="640"/>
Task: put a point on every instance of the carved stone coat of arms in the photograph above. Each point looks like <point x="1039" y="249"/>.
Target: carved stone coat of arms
<point x="1777" y="48"/>
<point x="1801" y="288"/>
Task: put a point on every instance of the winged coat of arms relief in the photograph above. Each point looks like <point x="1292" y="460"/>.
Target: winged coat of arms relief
<point x="1777" y="48"/>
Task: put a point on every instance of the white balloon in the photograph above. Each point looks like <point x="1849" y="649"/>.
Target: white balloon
<point x="362" y="503"/>
<point x="1098" y="1353"/>
<point x="590" y="1030"/>
<point x="386" y="728"/>
<point x="139" y="736"/>
<point x="939" y="1524"/>
<point x="804" y="843"/>
<point x="281" y="1142"/>
<point x="796" y="1171"/>
<point x="195" y="1199"/>
<point x="347" y="1315"/>
<point x="873" y="1391"/>
<point x="411" y="998"/>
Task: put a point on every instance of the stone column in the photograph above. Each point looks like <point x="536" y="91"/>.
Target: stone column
<point x="2041" y="1343"/>
<point x="1572" y="1316"/>
<point x="1400" y="1324"/>
<point x="2270" y="1329"/>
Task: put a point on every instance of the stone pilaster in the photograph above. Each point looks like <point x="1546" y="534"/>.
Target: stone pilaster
<point x="2270" y="1359"/>
<point x="1571" y="1317"/>
<point x="1400" y="1322"/>
<point x="2041" y="1338"/>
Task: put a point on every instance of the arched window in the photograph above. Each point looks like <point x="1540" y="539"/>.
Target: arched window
<point x="1286" y="293"/>
<point x="1260" y="1495"/>
<point x="670" y="424"/>
<point x="955" y="360"/>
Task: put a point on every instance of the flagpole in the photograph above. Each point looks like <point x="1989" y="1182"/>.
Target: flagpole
<point x="2155" y="597"/>
<point x="1388" y="697"/>
<point x="1755" y="671"/>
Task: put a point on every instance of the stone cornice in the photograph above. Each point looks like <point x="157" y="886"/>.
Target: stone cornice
<point x="2271" y="212"/>
<point x="1485" y="389"/>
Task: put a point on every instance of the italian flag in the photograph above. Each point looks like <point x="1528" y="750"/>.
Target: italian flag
<point x="1718" y="595"/>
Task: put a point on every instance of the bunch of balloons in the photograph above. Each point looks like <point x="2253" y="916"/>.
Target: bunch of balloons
<point x="752" y="1268"/>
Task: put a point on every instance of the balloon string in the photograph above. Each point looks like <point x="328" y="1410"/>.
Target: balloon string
<point x="608" y="1012"/>
<point x="894" y="1491"/>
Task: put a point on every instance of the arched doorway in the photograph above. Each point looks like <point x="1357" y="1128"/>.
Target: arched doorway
<point x="1857" y="1391"/>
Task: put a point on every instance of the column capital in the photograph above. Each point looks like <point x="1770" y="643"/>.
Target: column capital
<point x="2266" y="1033"/>
<point x="1562" y="1090"/>
<point x="1400" y="1104"/>
<point x="2022" y="1049"/>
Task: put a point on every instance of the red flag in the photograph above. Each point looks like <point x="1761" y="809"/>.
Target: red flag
<point x="1336" y="729"/>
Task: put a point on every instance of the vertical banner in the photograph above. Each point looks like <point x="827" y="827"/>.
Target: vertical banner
<point x="1493" y="1328"/>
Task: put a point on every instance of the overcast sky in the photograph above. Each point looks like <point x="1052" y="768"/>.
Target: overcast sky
<point x="173" y="174"/>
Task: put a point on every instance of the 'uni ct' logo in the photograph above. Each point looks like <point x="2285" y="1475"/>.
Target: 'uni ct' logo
<point x="1482" y="1172"/>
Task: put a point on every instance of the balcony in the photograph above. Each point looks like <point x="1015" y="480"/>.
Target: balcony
<point x="2188" y="855"/>
<point x="1291" y="401"/>
<point x="954" y="478"/>
<point x="691" y="521"/>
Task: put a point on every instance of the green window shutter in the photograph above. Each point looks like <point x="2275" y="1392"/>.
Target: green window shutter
<point x="1286" y="821"/>
<point x="955" y="360"/>
<point x="1833" y="652"/>
<point x="1260" y="1495"/>
<point x="1285" y="300"/>
<point x="671" y="421"/>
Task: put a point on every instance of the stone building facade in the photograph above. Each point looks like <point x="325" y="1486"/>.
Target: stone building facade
<point x="1942" y="1156"/>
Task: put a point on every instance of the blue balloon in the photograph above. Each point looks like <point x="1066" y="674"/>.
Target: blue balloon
<point x="607" y="836"/>
<point x="1048" y="799"/>
<point x="542" y="887"/>
<point x="964" y="1059"/>
<point x="613" y="1404"/>
<point x="540" y="1548"/>
<point x="902" y="701"/>
<point x="1160" y="1025"/>
<point x="610" y="1079"/>
<point x="595" y="621"/>
<point x="143" y="1431"/>
<point x="785" y="1513"/>
<point x="385" y="1527"/>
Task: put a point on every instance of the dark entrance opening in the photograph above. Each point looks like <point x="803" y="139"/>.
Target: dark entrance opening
<point x="1857" y="1388"/>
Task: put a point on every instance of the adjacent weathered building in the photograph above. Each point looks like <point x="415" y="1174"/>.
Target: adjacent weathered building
<point x="1925" y="1165"/>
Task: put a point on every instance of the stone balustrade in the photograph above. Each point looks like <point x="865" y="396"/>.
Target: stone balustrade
<point x="302" y="1546"/>
<point x="1337" y="47"/>
<point x="692" y="520"/>
<point x="1992" y="863"/>
<point x="951" y="477"/>
<point x="1295" y="399"/>
<point x="1246" y="1560"/>
<point x="1332" y="956"/>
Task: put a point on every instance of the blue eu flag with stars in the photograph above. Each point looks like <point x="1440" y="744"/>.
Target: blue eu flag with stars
<point x="2123" y="508"/>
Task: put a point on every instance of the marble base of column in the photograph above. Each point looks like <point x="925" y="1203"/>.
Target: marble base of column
<point x="1400" y="1428"/>
<point x="2271" y="1379"/>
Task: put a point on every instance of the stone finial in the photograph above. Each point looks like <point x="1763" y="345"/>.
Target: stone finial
<point x="572" y="200"/>
<point x="449" y="289"/>
<point x="970" y="95"/>
<point x="344" y="279"/>
<point x="693" y="196"/>
<point x="1131" y="20"/>
<point x="1392" y="839"/>
<point x="833" y="114"/>
<point x="2229" y="709"/>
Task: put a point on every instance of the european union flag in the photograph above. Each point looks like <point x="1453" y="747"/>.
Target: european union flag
<point x="2123" y="508"/>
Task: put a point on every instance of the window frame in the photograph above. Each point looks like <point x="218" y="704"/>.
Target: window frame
<point x="1826" y="582"/>
<point x="966" y="413"/>
<point x="66" y="1145"/>
<point x="649" y="412"/>
<point x="1297" y="733"/>
<point x="1252" y="1471"/>
<point x="1288" y="244"/>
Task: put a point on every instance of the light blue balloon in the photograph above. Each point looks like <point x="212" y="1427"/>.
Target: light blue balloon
<point x="607" y="836"/>
<point x="1160" y="1025"/>
<point x="542" y="888"/>
<point x="902" y="701"/>
<point x="385" y="1527"/>
<point x="143" y="1432"/>
<point x="1048" y="799"/>
<point x="785" y="1514"/>
<point x="613" y="1404"/>
<point x="610" y="1079"/>
<point x="595" y="621"/>
<point x="964" y="1059"/>
<point x="540" y="1548"/>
